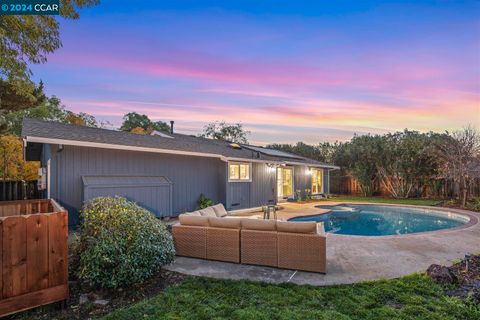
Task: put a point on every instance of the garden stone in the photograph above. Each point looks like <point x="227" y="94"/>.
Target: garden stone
<point x="101" y="302"/>
<point x="83" y="298"/>
<point x="441" y="274"/>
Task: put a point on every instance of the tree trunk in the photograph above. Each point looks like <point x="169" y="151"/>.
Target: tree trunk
<point x="463" y="191"/>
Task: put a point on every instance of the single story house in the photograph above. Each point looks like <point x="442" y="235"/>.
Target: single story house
<point x="164" y="172"/>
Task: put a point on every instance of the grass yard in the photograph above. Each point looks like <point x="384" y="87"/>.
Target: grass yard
<point x="420" y="202"/>
<point x="411" y="297"/>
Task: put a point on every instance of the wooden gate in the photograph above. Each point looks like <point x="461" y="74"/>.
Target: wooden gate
<point x="34" y="252"/>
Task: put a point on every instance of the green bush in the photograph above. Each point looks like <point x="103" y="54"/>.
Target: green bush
<point x="121" y="243"/>
<point x="474" y="204"/>
<point x="298" y="195"/>
<point x="204" y="202"/>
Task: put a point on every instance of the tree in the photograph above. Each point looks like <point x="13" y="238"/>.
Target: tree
<point x="138" y="130"/>
<point x="358" y="157"/>
<point x="322" y="152"/>
<point x="220" y="130"/>
<point x="10" y="100"/>
<point x="405" y="161"/>
<point x="51" y="110"/>
<point x="13" y="167"/>
<point x="28" y="39"/>
<point x="458" y="152"/>
<point x="133" y="120"/>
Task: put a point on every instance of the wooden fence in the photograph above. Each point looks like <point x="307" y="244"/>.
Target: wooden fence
<point x="34" y="252"/>
<point x="439" y="189"/>
<point x="18" y="190"/>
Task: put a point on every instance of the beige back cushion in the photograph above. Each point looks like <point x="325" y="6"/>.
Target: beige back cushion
<point x="219" y="210"/>
<point x="194" y="213"/>
<point x="189" y="220"/>
<point x="224" y="223"/>
<point x="208" y="212"/>
<point x="297" y="227"/>
<point x="257" y="224"/>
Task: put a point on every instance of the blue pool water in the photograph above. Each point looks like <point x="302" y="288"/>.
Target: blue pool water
<point x="377" y="220"/>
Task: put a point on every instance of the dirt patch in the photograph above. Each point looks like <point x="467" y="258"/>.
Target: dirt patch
<point x="464" y="275"/>
<point x="86" y="303"/>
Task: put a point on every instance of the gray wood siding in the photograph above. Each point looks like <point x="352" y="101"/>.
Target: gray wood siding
<point x="260" y="191"/>
<point x="326" y="181"/>
<point x="238" y="195"/>
<point x="263" y="186"/>
<point x="152" y="193"/>
<point x="190" y="176"/>
<point x="302" y="180"/>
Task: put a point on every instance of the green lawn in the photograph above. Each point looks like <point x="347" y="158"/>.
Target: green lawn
<point x="420" y="202"/>
<point x="411" y="297"/>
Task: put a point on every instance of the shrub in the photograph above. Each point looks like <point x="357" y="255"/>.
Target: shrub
<point x="308" y="194"/>
<point x="121" y="243"/>
<point x="474" y="204"/>
<point x="298" y="195"/>
<point x="204" y="202"/>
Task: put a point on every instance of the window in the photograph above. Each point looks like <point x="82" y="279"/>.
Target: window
<point x="238" y="171"/>
<point x="317" y="181"/>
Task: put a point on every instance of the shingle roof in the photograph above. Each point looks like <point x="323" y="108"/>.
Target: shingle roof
<point x="180" y="142"/>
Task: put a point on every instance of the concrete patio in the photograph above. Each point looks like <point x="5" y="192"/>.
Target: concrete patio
<point x="352" y="259"/>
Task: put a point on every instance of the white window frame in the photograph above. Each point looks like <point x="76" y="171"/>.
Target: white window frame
<point x="240" y="163"/>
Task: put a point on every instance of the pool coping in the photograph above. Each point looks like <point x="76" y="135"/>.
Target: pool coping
<point x="473" y="220"/>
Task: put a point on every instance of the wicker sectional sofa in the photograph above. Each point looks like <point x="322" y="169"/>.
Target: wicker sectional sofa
<point x="214" y="235"/>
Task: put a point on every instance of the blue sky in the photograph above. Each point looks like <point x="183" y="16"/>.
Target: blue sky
<point x="288" y="70"/>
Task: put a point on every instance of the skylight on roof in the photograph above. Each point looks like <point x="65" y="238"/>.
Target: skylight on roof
<point x="273" y="152"/>
<point x="160" y="134"/>
<point x="235" y="146"/>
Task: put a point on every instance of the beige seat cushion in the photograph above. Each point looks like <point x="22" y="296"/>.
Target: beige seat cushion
<point x="220" y="210"/>
<point x="189" y="220"/>
<point x="243" y="217"/>
<point x="208" y="212"/>
<point x="297" y="227"/>
<point x="224" y="223"/>
<point x="256" y="224"/>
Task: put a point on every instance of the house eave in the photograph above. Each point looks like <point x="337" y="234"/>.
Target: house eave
<point x="100" y="145"/>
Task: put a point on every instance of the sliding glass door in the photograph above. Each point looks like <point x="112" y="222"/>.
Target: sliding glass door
<point x="317" y="181"/>
<point x="284" y="183"/>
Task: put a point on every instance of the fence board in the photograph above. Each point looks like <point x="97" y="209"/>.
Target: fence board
<point x="18" y="190"/>
<point x="33" y="299"/>
<point x="34" y="255"/>
<point x="37" y="252"/>
<point x="14" y="256"/>
<point x="58" y="248"/>
<point x="1" y="256"/>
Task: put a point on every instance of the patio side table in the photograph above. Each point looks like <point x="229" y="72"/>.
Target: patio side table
<point x="270" y="208"/>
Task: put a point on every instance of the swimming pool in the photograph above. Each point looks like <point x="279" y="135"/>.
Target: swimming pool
<point x="378" y="220"/>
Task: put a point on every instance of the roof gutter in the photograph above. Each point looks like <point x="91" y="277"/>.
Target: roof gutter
<point x="164" y="151"/>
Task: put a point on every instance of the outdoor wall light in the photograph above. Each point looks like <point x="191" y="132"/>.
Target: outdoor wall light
<point x="308" y="172"/>
<point x="271" y="167"/>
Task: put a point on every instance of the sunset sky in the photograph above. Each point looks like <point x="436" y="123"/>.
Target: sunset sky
<point x="290" y="71"/>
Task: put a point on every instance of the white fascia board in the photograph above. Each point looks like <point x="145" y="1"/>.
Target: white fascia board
<point x="325" y="166"/>
<point x="119" y="147"/>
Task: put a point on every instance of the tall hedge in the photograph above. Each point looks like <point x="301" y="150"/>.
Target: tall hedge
<point x="121" y="243"/>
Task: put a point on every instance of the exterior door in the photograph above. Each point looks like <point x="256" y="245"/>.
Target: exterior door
<point x="284" y="183"/>
<point x="317" y="181"/>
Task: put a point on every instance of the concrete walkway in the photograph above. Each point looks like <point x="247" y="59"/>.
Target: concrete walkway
<point x="353" y="259"/>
